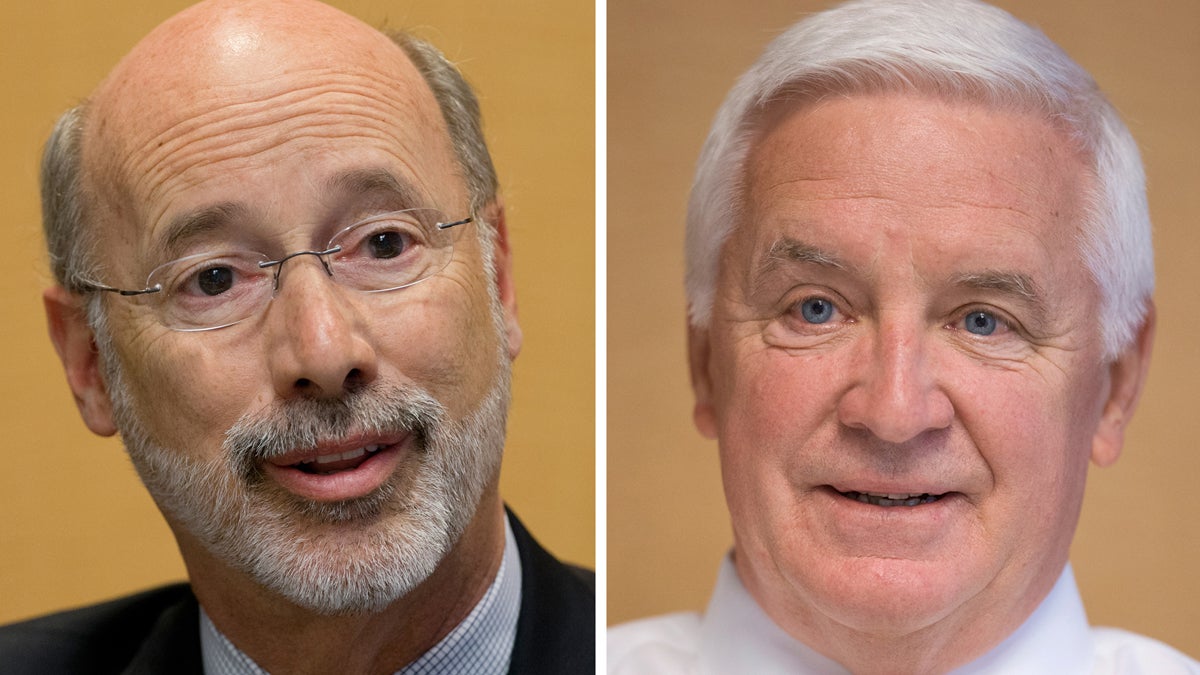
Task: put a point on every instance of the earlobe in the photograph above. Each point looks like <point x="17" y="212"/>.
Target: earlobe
<point x="76" y="347"/>
<point x="1127" y="374"/>
<point x="505" y="286"/>
<point x="703" y="412"/>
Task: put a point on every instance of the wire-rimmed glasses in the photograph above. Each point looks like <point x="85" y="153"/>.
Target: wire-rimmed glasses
<point x="215" y="289"/>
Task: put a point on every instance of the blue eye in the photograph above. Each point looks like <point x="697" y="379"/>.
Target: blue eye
<point x="816" y="310"/>
<point x="980" y="323"/>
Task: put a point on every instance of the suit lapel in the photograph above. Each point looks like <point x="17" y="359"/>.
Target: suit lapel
<point x="556" y="631"/>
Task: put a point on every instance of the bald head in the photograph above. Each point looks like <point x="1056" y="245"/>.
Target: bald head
<point x="230" y="48"/>
<point x="243" y="79"/>
<point x="238" y="81"/>
<point x="231" y="41"/>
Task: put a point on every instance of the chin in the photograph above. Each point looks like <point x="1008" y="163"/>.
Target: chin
<point x="890" y="597"/>
<point x="352" y="575"/>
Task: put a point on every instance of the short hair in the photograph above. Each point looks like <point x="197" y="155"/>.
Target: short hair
<point x="66" y="203"/>
<point x="956" y="50"/>
<point x="460" y="110"/>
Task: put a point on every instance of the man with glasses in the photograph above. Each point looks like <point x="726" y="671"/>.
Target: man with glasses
<point x="283" y="277"/>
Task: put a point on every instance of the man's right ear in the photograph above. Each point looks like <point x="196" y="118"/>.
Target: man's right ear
<point x="698" y="362"/>
<point x="76" y="347"/>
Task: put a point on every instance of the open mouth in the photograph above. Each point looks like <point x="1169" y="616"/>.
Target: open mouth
<point x="903" y="499"/>
<point x="330" y="464"/>
<point x="328" y="474"/>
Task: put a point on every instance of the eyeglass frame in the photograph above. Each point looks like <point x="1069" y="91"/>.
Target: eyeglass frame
<point x="87" y="285"/>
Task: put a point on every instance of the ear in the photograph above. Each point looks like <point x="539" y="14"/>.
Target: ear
<point x="76" y="347"/>
<point x="1127" y="374"/>
<point x="505" y="285"/>
<point x="703" y="413"/>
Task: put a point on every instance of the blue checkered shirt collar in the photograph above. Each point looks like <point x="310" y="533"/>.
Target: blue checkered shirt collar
<point x="480" y="645"/>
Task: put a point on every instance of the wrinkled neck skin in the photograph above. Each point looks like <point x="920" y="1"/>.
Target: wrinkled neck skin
<point x="282" y="637"/>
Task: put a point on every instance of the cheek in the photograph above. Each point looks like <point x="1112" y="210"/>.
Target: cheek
<point x="444" y="343"/>
<point x="773" y="410"/>
<point x="183" y="394"/>
<point x="776" y="398"/>
<point x="1033" y="430"/>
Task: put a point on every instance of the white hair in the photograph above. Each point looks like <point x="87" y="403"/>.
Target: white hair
<point x="958" y="50"/>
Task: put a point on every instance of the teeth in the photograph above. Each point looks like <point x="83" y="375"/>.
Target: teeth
<point x="349" y="454"/>
<point x="896" y="499"/>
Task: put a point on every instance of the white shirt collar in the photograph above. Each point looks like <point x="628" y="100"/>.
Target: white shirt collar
<point x="736" y="635"/>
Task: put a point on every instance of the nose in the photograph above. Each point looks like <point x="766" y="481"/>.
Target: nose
<point x="895" y="392"/>
<point x="319" y="343"/>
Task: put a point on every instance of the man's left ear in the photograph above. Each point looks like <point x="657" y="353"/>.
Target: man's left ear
<point x="1127" y="374"/>
<point x="505" y="285"/>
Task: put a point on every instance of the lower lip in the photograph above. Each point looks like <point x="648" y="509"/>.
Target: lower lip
<point x="354" y="483"/>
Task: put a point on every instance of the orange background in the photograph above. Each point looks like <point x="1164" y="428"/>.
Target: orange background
<point x="670" y="63"/>
<point x="75" y="524"/>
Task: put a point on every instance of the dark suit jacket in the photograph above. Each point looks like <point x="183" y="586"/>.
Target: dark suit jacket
<point x="159" y="631"/>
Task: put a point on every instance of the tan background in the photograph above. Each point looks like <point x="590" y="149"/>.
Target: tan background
<point x="670" y="63"/>
<point x="75" y="525"/>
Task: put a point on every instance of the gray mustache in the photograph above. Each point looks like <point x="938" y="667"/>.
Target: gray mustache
<point x="302" y="423"/>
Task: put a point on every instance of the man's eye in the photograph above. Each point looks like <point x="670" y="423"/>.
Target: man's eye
<point x="980" y="323"/>
<point x="387" y="244"/>
<point x="215" y="280"/>
<point x="816" y="310"/>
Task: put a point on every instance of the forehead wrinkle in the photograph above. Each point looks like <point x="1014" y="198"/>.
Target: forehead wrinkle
<point x="187" y="227"/>
<point x="245" y="128"/>
<point x="900" y="194"/>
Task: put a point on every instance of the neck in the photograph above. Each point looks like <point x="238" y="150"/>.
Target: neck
<point x="950" y="641"/>
<point x="296" y="640"/>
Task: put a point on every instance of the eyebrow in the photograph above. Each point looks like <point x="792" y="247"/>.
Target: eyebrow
<point x="357" y="182"/>
<point x="189" y="226"/>
<point x="1014" y="284"/>
<point x="788" y="250"/>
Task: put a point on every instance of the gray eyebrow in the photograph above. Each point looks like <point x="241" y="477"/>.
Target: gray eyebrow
<point x="1016" y="284"/>
<point x="188" y="226"/>
<point x="374" y="181"/>
<point x="788" y="250"/>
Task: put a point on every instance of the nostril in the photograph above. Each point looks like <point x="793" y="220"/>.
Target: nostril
<point x="354" y="379"/>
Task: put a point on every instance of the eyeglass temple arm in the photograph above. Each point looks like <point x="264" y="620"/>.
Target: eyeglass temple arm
<point x="93" y="286"/>
<point x="446" y="226"/>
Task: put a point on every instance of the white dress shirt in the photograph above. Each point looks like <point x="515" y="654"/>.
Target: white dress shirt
<point x="735" y="636"/>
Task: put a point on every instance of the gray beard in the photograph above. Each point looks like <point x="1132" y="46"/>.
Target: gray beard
<point x="351" y="557"/>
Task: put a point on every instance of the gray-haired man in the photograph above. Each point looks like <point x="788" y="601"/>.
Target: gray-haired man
<point x="919" y="278"/>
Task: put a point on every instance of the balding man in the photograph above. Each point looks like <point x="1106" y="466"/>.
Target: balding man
<point x="283" y="276"/>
